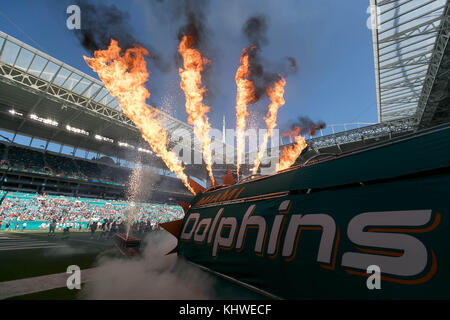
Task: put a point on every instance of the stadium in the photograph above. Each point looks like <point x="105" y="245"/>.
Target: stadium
<point x="74" y="163"/>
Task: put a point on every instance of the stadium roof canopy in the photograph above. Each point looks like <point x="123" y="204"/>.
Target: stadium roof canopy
<point x="411" y="58"/>
<point x="34" y="83"/>
<point x="412" y="73"/>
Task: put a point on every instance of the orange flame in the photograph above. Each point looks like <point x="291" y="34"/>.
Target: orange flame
<point x="124" y="77"/>
<point x="245" y="95"/>
<point x="275" y="94"/>
<point x="291" y="153"/>
<point x="191" y="81"/>
<point x="291" y="133"/>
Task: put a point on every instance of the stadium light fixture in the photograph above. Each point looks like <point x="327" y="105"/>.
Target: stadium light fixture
<point x="124" y="144"/>
<point x="14" y="112"/>
<point x="101" y="138"/>
<point x="144" y="150"/>
<point x="43" y="120"/>
<point x="77" y="130"/>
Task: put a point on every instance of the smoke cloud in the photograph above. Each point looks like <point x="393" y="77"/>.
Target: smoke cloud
<point x="193" y="27"/>
<point x="255" y="29"/>
<point x="151" y="276"/>
<point x="306" y="126"/>
<point x="263" y="72"/>
<point x="189" y="17"/>
<point x="101" y="23"/>
<point x="190" y="13"/>
<point x="292" y="66"/>
<point x="68" y="251"/>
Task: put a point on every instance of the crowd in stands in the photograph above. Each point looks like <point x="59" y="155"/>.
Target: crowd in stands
<point x="27" y="160"/>
<point x="61" y="166"/>
<point x="65" y="211"/>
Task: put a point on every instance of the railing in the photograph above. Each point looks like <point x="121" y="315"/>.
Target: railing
<point x="358" y="134"/>
<point x="333" y="129"/>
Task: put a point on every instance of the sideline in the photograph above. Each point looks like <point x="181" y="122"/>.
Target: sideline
<point x="44" y="236"/>
<point x="14" y="288"/>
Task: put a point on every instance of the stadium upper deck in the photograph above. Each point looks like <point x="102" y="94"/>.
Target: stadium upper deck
<point x="46" y="99"/>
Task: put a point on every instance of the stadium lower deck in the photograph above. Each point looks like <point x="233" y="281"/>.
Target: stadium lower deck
<point x="38" y="210"/>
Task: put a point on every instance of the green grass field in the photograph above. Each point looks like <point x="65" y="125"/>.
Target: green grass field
<point x="21" y="262"/>
<point x="32" y="253"/>
<point x="81" y="251"/>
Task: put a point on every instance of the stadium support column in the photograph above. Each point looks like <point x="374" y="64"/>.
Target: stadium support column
<point x="223" y="129"/>
<point x="7" y="170"/>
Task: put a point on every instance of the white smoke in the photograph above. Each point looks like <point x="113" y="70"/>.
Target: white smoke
<point x="154" y="275"/>
<point x="68" y="250"/>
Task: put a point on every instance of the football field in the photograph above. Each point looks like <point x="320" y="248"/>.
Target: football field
<point x="34" y="266"/>
<point x="34" y="254"/>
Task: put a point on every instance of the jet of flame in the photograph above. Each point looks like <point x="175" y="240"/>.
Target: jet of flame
<point x="291" y="153"/>
<point x="124" y="76"/>
<point x="245" y="95"/>
<point x="275" y="94"/>
<point x="191" y="83"/>
<point x="292" y="133"/>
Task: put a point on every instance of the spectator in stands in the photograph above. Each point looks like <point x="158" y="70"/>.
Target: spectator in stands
<point x="68" y="211"/>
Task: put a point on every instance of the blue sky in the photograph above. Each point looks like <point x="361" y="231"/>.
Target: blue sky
<point x="329" y="39"/>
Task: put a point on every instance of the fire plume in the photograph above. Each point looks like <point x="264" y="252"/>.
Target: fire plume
<point x="124" y="76"/>
<point x="245" y="95"/>
<point x="291" y="153"/>
<point x="275" y="94"/>
<point x="292" y="133"/>
<point x="191" y="83"/>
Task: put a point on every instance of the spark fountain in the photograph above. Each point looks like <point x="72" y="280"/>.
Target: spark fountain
<point x="125" y="244"/>
<point x="132" y="196"/>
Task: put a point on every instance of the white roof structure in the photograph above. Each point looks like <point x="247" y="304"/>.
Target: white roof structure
<point x="412" y="72"/>
<point x="409" y="40"/>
